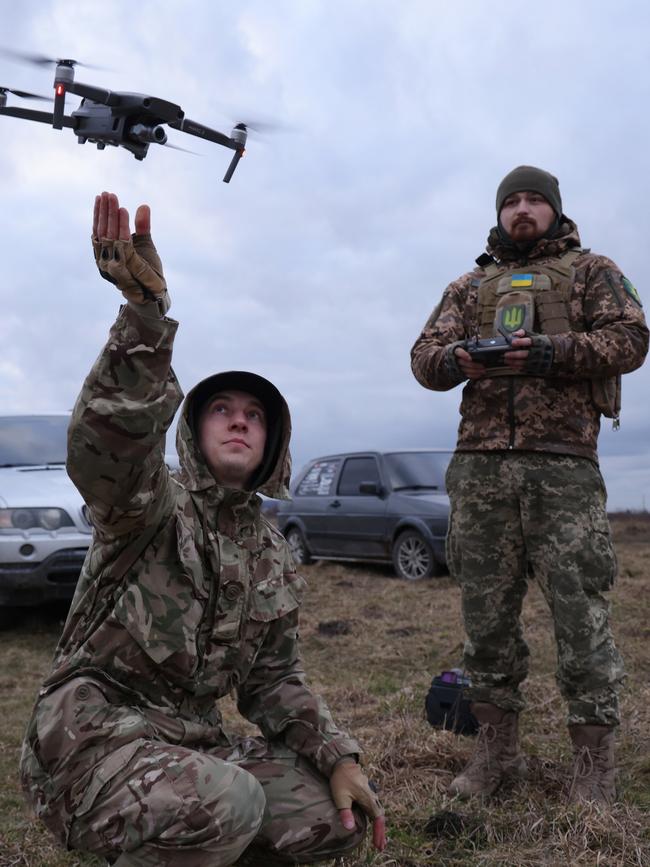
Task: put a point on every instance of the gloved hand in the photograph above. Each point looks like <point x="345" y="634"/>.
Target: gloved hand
<point x="460" y="365"/>
<point x="531" y="353"/>
<point x="350" y="785"/>
<point x="540" y="355"/>
<point x="129" y="262"/>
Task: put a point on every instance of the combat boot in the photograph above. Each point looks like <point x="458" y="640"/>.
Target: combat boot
<point x="593" y="767"/>
<point x="496" y="756"/>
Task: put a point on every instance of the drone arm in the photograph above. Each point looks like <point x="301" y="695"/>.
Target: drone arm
<point x="41" y="116"/>
<point x="197" y="129"/>
<point x="233" y="165"/>
<point x="95" y="94"/>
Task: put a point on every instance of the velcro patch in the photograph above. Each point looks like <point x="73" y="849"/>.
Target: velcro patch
<point x="519" y="280"/>
<point x="513" y="316"/>
<point x="631" y="291"/>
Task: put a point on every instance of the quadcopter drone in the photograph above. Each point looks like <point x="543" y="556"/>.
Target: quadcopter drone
<point x="104" y="117"/>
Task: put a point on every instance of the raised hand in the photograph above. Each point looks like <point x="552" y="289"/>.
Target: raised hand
<point x="129" y="262"/>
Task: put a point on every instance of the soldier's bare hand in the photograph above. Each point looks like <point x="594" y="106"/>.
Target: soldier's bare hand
<point x="471" y="369"/>
<point x="350" y="785"/>
<point x="109" y="220"/>
<point x="143" y="220"/>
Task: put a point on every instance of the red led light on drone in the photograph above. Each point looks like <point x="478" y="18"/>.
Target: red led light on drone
<point x="60" y="90"/>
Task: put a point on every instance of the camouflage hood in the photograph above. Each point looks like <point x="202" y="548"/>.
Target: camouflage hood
<point x="500" y="247"/>
<point x="273" y="476"/>
<point x="188" y="593"/>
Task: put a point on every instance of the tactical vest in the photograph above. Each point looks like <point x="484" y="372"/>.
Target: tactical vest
<point x="536" y="298"/>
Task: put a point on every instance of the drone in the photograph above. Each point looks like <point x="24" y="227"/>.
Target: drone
<point x="104" y="117"/>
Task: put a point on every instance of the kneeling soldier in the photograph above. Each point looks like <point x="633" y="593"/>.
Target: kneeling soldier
<point x="187" y="594"/>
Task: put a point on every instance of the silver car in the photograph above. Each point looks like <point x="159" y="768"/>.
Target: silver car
<point x="44" y="526"/>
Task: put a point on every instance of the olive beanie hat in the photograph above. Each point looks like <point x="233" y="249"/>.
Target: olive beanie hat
<point x="533" y="179"/>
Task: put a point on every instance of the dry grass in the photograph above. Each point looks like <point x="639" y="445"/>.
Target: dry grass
<point x="375" y="678"/>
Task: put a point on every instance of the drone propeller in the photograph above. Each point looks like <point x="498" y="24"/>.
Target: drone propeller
<point x="177" y="148"/>
<point x="63" y="76"/>
<point x="42" y="59"/>
<point x="254" y="121"/>
<point x="24" y="94"/>
<point x="265" y="126"/>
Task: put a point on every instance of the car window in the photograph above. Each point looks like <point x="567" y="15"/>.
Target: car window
<point x="319" y="479"/>
<point x="417" y="469"/>
<point x="30" y="440"/>
<point x="355" y="471"/>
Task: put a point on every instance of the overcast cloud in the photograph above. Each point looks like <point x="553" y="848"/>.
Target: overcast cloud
<point x="318" y="265"/>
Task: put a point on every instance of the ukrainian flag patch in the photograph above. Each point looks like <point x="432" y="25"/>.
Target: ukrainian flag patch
<point x="519" y="280"/>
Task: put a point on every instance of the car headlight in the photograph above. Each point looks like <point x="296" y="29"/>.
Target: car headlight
<point x="28" y="519"/>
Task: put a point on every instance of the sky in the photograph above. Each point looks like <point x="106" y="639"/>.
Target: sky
<point x="319" y="263"/>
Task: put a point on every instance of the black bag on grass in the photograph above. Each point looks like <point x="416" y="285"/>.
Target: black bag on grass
<point x="445" y="706"/>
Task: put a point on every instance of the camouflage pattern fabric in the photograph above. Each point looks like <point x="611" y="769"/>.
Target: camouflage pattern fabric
<point x="187" y="594"/>
<point x="552" y="413"/>
<point x="516" y="516"/>
<point x="164" y="804"/>
<point x="133" y="266"/>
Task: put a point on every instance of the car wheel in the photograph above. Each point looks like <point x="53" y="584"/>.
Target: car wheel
<point x="412" y="557"/>
<point x="298" y="547"/>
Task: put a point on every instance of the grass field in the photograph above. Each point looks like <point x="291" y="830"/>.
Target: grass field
<point x="371" y="646"/>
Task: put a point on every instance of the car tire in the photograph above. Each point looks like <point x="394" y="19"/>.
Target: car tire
<point x="413" y="557"/>
<point x="298" y="547"/>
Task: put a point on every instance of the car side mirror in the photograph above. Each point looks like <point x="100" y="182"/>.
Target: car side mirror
<point x="371" y="489"/>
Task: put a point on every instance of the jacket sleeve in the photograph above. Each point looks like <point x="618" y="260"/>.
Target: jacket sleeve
<point x="117" y="432"/>
<point x="432" y="356"/>
<point x="276" y="698"/>
<point x="616" y="337"/>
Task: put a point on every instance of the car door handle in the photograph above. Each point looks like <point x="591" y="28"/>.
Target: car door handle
<point x="335" y="504"/>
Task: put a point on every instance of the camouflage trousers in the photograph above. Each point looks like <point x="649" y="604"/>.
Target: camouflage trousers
<point x="522" y="515"/>
<point x="104" y="782"/>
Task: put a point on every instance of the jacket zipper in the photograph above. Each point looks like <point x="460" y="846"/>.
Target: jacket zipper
<point x="511" y="391"/>
<point x="205" y="627"/>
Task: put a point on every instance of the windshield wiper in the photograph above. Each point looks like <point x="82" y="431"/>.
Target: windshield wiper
<point x="417" y="488"/>
<point x="40" y="466"/>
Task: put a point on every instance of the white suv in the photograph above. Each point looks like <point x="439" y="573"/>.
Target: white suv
<point x="44" y="526"/>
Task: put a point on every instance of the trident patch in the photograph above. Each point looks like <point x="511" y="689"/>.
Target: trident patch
<point x="512" y="316"/>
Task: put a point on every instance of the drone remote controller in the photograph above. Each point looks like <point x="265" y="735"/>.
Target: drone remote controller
<point x="489" y="351"/>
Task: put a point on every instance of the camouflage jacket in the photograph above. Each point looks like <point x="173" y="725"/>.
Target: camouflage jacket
<point x="188" y="593"/>
<point x="553" y="413"/>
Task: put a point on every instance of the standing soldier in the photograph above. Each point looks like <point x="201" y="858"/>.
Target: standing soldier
<point x="187" y="594"/>
<point x="527" y="498"/>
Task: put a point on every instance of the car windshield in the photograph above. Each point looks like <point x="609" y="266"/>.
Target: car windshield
<point x="417" y="469"/>
<point x="30" y="440"/>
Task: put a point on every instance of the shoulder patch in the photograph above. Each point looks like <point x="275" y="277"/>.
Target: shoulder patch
<point x="631" y="291"/>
